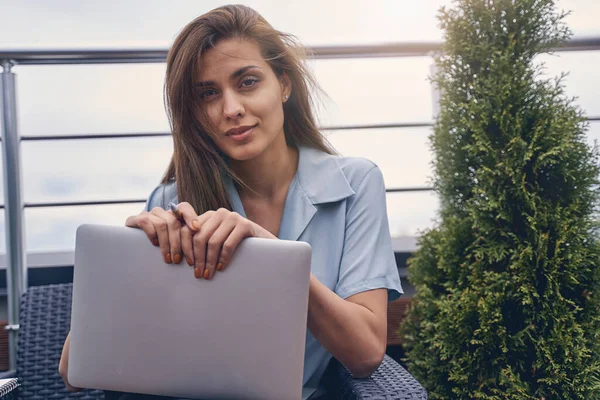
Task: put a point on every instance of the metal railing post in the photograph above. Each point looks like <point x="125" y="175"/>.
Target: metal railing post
<point x="16" y="276"/>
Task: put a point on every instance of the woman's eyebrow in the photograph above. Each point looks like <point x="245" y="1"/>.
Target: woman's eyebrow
<point x="235" y="75"/>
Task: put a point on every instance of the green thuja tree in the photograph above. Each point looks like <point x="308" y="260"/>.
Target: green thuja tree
<point x="507" y="303"/>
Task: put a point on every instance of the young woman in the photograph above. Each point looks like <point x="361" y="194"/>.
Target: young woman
<point x="249" y="161"/>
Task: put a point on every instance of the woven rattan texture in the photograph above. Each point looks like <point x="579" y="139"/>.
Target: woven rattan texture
<point x="389" y="382"/>
<point x="44" y="322"/>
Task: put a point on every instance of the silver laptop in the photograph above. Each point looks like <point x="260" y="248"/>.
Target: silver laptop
<point x="140" y="325"/>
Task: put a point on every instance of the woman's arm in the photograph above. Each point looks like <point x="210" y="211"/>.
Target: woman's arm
<point x="354" y="330"/>
<point x="351" y="321"/>
<point x="63" y="366"/>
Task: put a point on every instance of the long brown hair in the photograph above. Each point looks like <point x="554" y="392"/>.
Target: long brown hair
<point x="197" y="165"/>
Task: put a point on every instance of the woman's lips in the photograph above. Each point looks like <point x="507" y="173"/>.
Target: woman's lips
<point x="244" y="135"/>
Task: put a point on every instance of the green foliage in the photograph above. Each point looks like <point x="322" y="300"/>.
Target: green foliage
<point x="508" y="289"/>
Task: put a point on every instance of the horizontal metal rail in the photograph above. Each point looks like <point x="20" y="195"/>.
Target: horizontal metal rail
<point x="409" y="189"/>
<point x="37" y="138"/>
<point x="134" y="201"/>
<point x="163" y="134"/>
<point x="83" y="203"/>
<point x="32" y="138"/>
<point x="159" y="54"/>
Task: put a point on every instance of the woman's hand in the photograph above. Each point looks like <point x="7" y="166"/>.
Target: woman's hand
<point x="63" y="365"/>
<point x="207" y="241"/>
<point x="219" y="234"/>
<point x="164" y="229"/>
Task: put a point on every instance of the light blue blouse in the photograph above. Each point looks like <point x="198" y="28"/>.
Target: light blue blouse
<point x="338" y="206"/>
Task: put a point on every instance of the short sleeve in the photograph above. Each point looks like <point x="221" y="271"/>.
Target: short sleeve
<point x="368" y="260"/>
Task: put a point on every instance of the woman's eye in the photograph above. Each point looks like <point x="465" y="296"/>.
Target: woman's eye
<point x="249" y="82"/>
<point x="207" y="93"/>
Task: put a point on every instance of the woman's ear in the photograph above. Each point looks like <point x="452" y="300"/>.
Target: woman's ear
<point x="286" y="86"/>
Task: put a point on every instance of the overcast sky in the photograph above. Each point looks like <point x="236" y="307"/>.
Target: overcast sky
<point x="128" y="98"/>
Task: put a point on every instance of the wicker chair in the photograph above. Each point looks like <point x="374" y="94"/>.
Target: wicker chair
<point x="44" y="324"/>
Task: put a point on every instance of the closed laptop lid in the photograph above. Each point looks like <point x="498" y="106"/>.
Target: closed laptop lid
<point x="141" y="325"/>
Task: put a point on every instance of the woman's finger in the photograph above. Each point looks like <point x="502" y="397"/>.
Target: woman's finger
<point x="131" y="221"/>
<point x="187" y="212"/>
<point x="209" y="222"/>
<point x="142" y="221"/>
<point x="186" y="245"/>
<point x="162" y="233"/>
<point x="201" y="219"/>
<point x="213" y="248"/>
<point x="240" y="232"/>
<point x="174" y="253"/>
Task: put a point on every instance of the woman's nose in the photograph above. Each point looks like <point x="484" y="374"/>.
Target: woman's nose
<point x="232" y="106"/>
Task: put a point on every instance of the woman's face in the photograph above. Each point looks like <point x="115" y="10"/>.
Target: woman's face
<point x="243" y="98"/>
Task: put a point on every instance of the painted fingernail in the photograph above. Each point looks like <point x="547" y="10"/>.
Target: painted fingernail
<point x="189" y="261"/>
<point x="220" y="267"/>
<point x="206" y="274"/>
<point x="195" y="224"/>
<point x="168" y="258"/>
<point x="197" y="273"/>
<point x="177" y="258"/>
